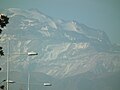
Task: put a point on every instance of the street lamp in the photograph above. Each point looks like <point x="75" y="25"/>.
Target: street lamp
<point x="7" y="81"/>
<point x="10" y="81"/>
<point x="30" y="54"/>
<point x="47" y="84"/>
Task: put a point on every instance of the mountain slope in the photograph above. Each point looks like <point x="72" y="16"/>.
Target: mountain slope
<point x="66" y="48"/>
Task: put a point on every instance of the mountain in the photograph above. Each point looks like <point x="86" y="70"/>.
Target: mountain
<point x="67" y="50"/>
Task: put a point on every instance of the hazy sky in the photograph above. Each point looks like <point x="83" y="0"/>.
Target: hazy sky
<point x="98" y="14"/>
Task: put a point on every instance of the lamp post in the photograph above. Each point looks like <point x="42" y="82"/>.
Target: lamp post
<point x="30" y="54"/>
<point x="9" y="81"/>
<point x="8" y="56"/>
<point x="47" y="84"/>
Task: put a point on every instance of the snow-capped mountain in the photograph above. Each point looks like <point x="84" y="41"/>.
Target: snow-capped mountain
<point x="66" y="48"/>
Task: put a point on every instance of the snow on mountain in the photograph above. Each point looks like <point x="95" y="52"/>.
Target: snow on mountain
<point x="65" y="48"/>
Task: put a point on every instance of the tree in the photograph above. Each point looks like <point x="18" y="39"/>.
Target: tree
<point x="3" y="21"/>
<point x="1" y="51"/>
<point x="2" y="87"/>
